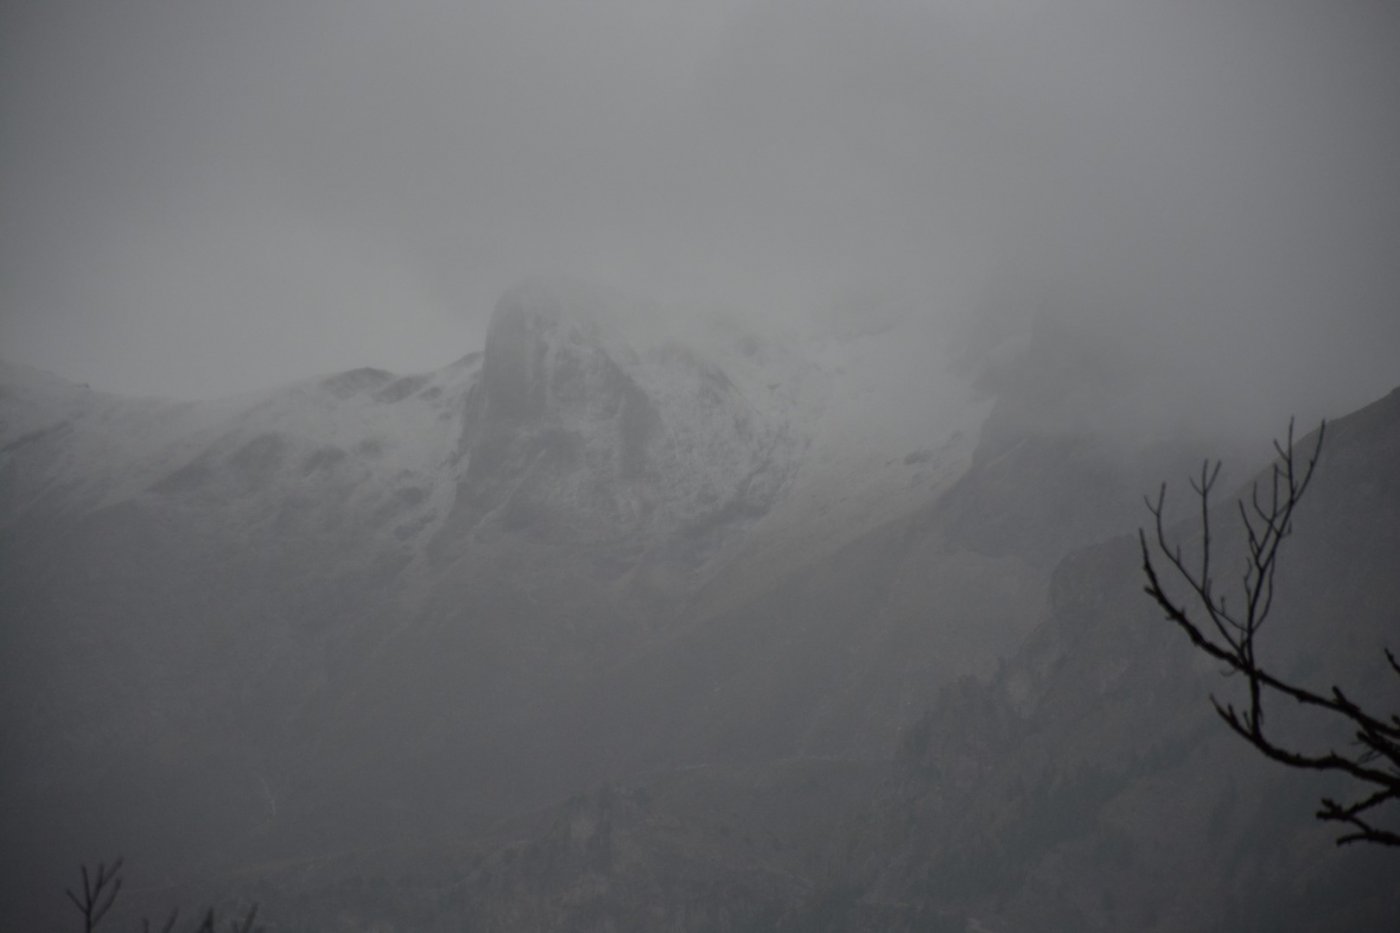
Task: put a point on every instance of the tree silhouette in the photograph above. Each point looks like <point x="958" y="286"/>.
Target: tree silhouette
<point x="100" y="889"/>
<point x="1228" y="635"/>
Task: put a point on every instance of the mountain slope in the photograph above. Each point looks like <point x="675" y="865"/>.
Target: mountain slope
<point x="1090" y="785"/>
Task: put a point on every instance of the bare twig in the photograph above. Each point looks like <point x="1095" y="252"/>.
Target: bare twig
<point x="1229" y="638"/>
<point x="100" y="890"/>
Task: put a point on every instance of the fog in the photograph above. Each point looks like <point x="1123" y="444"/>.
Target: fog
<point x="830" y="616"/>
<point x="205" y="198"/>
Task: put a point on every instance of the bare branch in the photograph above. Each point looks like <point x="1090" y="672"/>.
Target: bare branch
<point x="100" y="891"/>
<point x="1267" y="521"/>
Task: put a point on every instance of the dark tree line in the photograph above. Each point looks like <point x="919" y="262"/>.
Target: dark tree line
<point x="1228" y="634"/>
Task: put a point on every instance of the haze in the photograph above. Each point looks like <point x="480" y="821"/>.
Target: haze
<point x="205" y="198"/>
<point x="630" y="464"/>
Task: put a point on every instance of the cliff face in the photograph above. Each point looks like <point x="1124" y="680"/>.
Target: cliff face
<point x="574" y="438"/>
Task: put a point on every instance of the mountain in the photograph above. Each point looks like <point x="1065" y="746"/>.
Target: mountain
<point x="367" y="606"/>
<point x="609" y="628"/>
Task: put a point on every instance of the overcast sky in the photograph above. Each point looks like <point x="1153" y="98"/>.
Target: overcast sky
<point x="208" y="197"/>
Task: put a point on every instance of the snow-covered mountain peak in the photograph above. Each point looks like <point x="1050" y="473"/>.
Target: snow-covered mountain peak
<point x="576" y="436"/>
<point x="589" y="418"/>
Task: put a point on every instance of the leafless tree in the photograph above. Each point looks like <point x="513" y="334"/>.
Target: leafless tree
<point x="100" y="889"/>
<point x="1228" y="635"/>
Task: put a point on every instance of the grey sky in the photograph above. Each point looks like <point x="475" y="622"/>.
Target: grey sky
<point x="205" y="197"/>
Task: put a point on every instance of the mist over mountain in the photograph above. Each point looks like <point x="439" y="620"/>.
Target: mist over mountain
<point x="628" y="466"/>
<point x="601" y="628"/>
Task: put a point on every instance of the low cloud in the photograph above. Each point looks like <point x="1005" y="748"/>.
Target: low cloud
<point x="1210" y="184"/>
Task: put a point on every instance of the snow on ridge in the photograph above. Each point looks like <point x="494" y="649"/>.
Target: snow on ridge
<point x="92" y="447"/>
<point x="393" y="438"/>
<point x="884" y="427"/>
<point x="860" y="426"/>
<point x="834" y="434"/>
